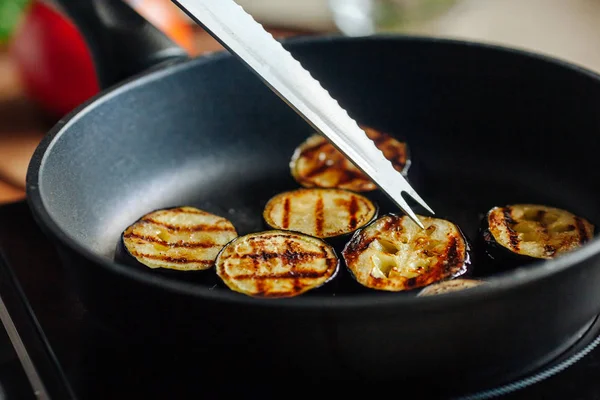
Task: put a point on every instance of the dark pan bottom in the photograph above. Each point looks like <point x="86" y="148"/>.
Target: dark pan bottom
<point x="214" y="374"/>
<point x="580" y="345"/>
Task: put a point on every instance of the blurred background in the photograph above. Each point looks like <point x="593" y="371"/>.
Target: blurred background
<point x="45" y="69"/>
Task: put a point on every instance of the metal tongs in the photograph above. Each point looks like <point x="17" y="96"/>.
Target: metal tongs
<point x="238" y="32"/>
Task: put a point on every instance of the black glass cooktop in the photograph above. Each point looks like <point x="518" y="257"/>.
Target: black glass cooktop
<point x="67" y="355"/>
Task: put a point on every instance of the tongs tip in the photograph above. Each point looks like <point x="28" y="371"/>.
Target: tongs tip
<point x="412" y="193"/>
<point x="406" y="208"/>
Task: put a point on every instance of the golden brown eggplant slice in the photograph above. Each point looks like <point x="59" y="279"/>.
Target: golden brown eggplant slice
<point x="276" y="264"/>
<point x="181" y="238"/>
<point x="529" y="232"/>
<point x="394" y="254"/>
<point x="324" y="213"/>
<point x="452" y="285"/>
<point x="317" y="163"/>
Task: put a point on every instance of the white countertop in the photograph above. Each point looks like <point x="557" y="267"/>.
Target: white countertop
<point x="568" y="29"/>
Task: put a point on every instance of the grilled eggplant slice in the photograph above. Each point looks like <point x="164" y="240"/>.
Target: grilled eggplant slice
<point x="394" y="254"/>
<point x="276" y="264"/>
<point x="181" y="239"/>
<point x="323" y="213"/>
<point x="529" y="232"/>
<point x="317" y="163"/>
<point x="452" y="285"/>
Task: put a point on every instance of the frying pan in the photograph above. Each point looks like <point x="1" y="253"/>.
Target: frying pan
<point x="486" y="126"/>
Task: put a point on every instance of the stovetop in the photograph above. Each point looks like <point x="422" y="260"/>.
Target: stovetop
<point x="76" y="358"/>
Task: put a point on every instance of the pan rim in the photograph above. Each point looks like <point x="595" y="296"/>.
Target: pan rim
<point x="494" y="288"/>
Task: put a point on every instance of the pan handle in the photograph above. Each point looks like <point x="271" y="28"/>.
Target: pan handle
<point x="121" y="41"/>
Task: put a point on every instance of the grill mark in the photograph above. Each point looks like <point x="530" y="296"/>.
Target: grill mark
<point x="285" y="223"/>
<point x="262" y="238"/>
<point x="330" y="261"/>
<point x="540" y="215"/>
<point x="296" y="283"/>
<point x="356" y="247"/>
<point x="287" y="256"/>
<point x="180" y="244"/>
<point x="319" y="217"/>
<point x="261" y="286"/>
<point x="193" y="228"/>
<point x="361" y="242"/>
<point x="545" y="231"/>
<point x="370" y="209"/>
<point x="396" y="155"/>
<point x="392" y="154"/>
<point x="454" y="261"/>
<point x="324" y="252"/>
<point x="380" y="139"/>
<point x="274" y="295"/>
<point x="254" y="260"/>
<point x="386" y="142"/>
<point x="348" y="175"/>
<point x="583" y="236"/>
<point x="282" y="275"/>
<point x="319" y="169"/>
<point x="512" y="235"/>
<point x="550" y="250"/>
<point x="352" y="210"/>
<point x="398" y="159"/>
<point x="387" y="224"/>
<point x="544" y="227"/>
<point x="175" y="260"/>
<point x="452" y="257"/>
<point x="320" y="166"/>
<point x="310" y="151"/>
<point x="181" y="210"/>
<point x="356" y="215"/>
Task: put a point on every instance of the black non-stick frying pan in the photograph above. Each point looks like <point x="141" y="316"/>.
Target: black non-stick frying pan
<point x="486" y="126"/>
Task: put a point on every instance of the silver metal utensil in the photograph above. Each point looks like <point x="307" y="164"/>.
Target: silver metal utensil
<point x="238" y="32"/>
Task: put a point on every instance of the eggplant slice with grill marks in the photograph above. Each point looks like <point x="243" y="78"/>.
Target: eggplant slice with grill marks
<point x="181" y="239"/>
<point x="394" y="254"/>
<point x="530" y="232"/>
<point x="452" y="285"/>
<point x="317" y="163"/>
<point x="323" y="213"/>
<point x="276" y="264"/>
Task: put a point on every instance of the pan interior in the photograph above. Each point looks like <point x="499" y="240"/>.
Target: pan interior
<point x="485" y="127"/>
